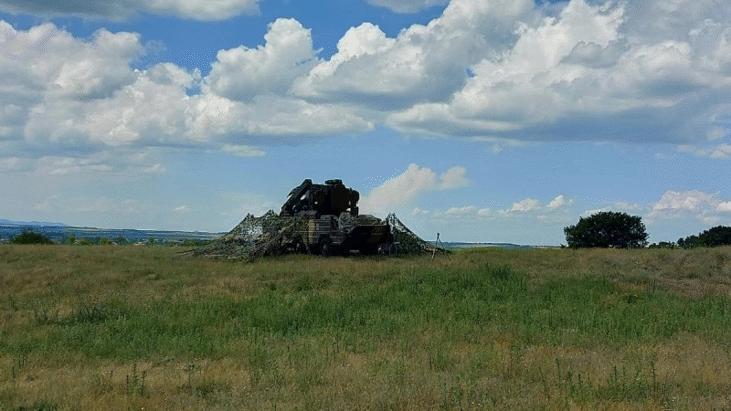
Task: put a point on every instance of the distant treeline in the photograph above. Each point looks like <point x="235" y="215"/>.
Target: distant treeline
<point x="713" y="237"/>
<point x="59" y="234"/>
<point x="611" y="229"/>
<point x="28" y="236"/>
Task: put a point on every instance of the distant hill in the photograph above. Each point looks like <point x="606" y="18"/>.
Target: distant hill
<point x="32" y="223"/>
<point x="59" y="231"/>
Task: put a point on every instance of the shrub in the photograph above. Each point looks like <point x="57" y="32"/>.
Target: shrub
<point x="30" y="237"/>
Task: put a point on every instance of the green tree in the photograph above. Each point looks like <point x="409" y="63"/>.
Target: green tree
<point x="30" y="237"/>
<point x="607" y="229"/>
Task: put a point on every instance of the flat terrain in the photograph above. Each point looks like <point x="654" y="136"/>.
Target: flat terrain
<point x="105" y="327"/>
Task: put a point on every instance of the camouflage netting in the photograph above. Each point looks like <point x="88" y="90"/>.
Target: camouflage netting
<point x="408" y="242"/>
<point x="254" y="237"/>
<point x="270" y="234"/>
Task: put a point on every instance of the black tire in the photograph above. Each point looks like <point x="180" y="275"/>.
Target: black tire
<point x="326" y="247"/>
<point x="299" y="247"/>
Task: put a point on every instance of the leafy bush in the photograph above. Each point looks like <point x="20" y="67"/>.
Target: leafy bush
<point x="30" y="237"/>
<point x="607" y="229"/>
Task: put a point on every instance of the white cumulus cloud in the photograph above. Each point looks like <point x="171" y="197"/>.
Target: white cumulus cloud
<point x="44" y="64"/>
<point x="528" y="204"/>
<point x="679" y="201"/>
<point x="58" y="92"/>
<point x="242" y="73"/>
<point x="709" y="208"/>
<point x="454" y="177"/>
<point x="464" y="210"/>
<point x="409" y="185"/>
<point x="592" y="73"/>
<point x="154" y="169"/>
<point x="422" y="63"/>
<point x="559" y="202"/>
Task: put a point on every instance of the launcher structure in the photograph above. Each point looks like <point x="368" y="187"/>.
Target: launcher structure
<point x="321" y="199"/>
<point x="331" y="223"/>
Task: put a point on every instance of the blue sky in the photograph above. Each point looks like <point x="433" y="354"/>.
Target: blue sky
<point x="483" y="120"/>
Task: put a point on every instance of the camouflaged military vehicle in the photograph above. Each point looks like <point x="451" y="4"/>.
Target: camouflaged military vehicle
<point x="330" y="221"/>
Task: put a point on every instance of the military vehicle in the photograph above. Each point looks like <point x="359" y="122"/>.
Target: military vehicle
<point x="316" y="218"/>
<point x="330" y="223"/>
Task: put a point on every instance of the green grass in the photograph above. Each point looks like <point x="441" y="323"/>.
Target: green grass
<point x="578" y="311"/>
<point x="145" y="327"/>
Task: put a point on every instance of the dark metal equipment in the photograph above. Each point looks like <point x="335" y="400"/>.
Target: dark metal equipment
<point x="331" y="223"/>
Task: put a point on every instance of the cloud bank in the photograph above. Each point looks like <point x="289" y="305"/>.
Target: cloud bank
<point x="407" y="6"/>
<point x="494" y="70"/>
<point x="118" y="10"/>
<point x="80" y="95"/>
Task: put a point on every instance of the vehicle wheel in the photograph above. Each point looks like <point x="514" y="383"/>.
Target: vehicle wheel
<point x="299" y="247"/>
<point x="326" y="246"/>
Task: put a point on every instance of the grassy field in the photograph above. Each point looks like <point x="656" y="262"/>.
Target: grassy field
<point x="105" y="327"/>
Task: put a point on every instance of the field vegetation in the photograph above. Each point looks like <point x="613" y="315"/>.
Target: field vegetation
<point x="138" y="327"/>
